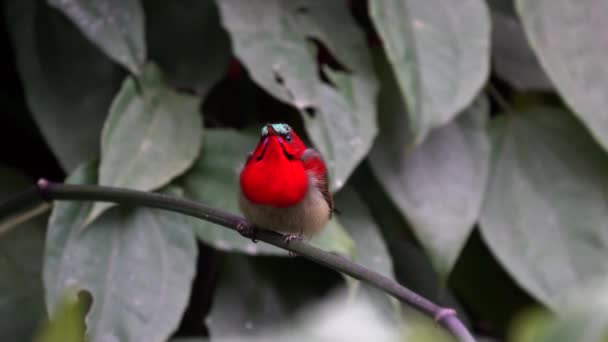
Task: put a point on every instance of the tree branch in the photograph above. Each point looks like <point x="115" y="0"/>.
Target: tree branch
<point x="58" y="191"/>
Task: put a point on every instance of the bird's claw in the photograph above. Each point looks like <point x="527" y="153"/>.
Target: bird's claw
<point x="247" y="230"/>
<point x="287" y="238"/>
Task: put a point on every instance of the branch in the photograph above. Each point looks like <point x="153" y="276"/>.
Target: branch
<point x="58" y="191"/>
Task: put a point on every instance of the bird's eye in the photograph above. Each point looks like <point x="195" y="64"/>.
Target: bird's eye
<point x="288" y="137"/>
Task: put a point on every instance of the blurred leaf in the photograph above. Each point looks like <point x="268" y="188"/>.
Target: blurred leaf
<point x="187" y="41"/>
<point x="335" y="238"/>
<point x="570" y="41"/>
<point x="411" y="266"/>
<point x="68" y="83"/>
<point x="424" y="330"/>
<point x="503" y="6"/>
<point x="371" y="249"/>
<point x="246" y="302"/>
<point x="213" y="180"/>
<point x="137" y="264"/>
<point x="438" y="185"/>
<point x="583" y="320"/>
<point x="274" y="39"/>
<point x="255" y="295"/>
<point x="339" y="319"/>
<point x="152" y="135"/>
<point x="439" y="51"/>
<point x="493" y="305"/>
<point x="357" y="219"/>
<point x="67" y="323"/>
<point x="530" y="326"/>
<point x="21" y="294"/>
<point x="544" y="216"/>
<point x="254" y="303"/>
<point x="513" y="58"/>
<point x="115" y="26"/>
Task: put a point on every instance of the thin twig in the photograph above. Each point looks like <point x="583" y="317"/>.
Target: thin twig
<point x="19" y="201"/>
<point x="444" y="316"/>
<point x="8" y="224"/>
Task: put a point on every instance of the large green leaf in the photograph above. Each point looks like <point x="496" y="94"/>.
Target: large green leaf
<point x="438" y="185"/>
<point x="152" y="135"/>
<point x="213" y="180"/>
<point x="439" y="51"/>
<point x="411" y="266"/>
<point x="68" y="82"/>
<point x="273" y="39"/>
<point x="115" y="26"/>
<point x="21" y="293"/>
<point x="187" y="41"/>
<point x="137" y="264"/>
<point x="544" y="215"/>
<point x="570" y="40"/>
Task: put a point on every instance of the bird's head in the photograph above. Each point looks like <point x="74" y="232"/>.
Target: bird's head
<point x="278" y="141"/>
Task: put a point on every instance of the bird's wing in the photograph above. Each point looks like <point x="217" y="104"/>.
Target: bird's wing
<point x="314" y="164"/>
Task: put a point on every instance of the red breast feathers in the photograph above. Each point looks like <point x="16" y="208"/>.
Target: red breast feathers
<point x="274" y="173"/>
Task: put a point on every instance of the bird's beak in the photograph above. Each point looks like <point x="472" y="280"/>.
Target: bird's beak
<point x="271" y="130"/>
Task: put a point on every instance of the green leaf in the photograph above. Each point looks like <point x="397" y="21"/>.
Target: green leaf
<point x="358" y="222"/>
<point x="67" y="323"/>
<point x="569" y="40"/>
<point x="152" y="135"/>
<point x="187" y="41"/>
<point x="411" y="266"/>
<point x="371" y="249"/>
<point x="21" y="293"/>
<point x="213" y="180"/>
<point x="116" y="27"/>
<point x="137" y="264"/>
<point x="512" y="57"/>
<point x="439" y="51"/>
<point x="68" y="82"/>
<point x="273" y="39"/>
<point x="544" y="215"/>
<point x="438" y="185"/>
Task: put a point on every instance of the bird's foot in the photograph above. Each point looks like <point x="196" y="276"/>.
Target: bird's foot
<point x="287" y="238"/>
<point x="247" y="230"/>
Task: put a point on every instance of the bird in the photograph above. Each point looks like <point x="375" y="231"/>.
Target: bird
<point x="284" y="185"/>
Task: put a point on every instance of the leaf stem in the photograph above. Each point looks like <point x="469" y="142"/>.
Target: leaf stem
<point x="58" y="191"/>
